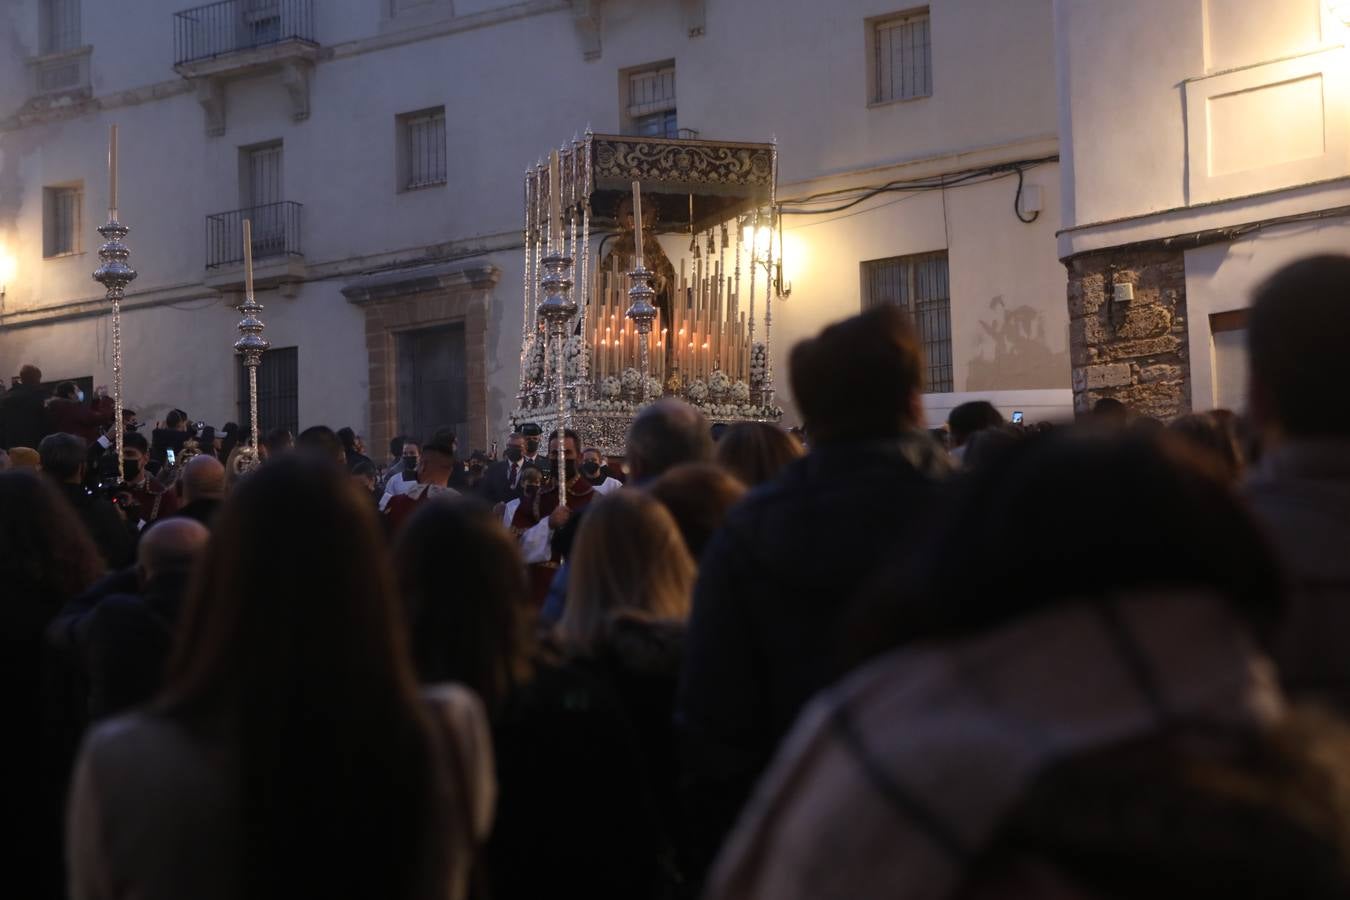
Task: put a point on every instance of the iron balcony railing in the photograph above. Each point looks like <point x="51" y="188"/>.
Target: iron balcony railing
<point x="276" y="232"/>
<point x="229" y="26"/>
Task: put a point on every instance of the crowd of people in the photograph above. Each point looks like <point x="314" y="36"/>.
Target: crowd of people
<point x="1100" y="659"/>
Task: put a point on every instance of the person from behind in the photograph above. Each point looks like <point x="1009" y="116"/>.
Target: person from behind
<point x="773" y="581"/>
<point x="592" y="833"/>
<point x="964" y="421"/>
<point x="1297" y="333"/>
<point x="203" y="486"/>
<point x="299" y="677"/>
<point x="25" y="458"/>
<point x="699" y="496"/>
<point x="23" y="411"/>
<point x="664" y="435"/>
<point x="278" y="441"/>
<point x="321" y="442"/>
<point x="755" y="452"/>
<point x="1117" y="732"/>
<point x="124" y="641"/>
<point x="354" y="456"/>
<point x="64" y="458"/>
<point x="48" y="558"/>
<point x="628" y="593"/>
<point x="1108" y="412"/>
<point x="1210" y="437"/>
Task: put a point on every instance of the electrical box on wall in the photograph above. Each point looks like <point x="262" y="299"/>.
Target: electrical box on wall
<point x="1030" y="203"/>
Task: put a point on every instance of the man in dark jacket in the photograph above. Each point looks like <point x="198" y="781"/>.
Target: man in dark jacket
<point x="64" y="457"/>
<point x="501" y="481"/>
<point x="23" y="414"/>
<point x="776" y="581"/>
<point x="125" y="639"/>
<point x="203" y="486"/>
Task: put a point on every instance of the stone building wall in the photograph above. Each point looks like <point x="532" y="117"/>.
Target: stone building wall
<point x="1133" y="350"/>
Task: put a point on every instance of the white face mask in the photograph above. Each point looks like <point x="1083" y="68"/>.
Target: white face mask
<point x="79" y="395"/>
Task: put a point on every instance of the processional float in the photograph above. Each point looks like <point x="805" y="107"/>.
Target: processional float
<point x="605" y="331"/>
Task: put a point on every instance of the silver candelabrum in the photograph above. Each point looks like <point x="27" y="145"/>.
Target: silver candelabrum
<point x="557" y="309"/>
<point x="114" y="274"/>
<point x="642" y="312"/>
<point x="250" y="347"/>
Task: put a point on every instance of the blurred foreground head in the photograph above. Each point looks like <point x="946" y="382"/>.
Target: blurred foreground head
<point x="859" y="379"/>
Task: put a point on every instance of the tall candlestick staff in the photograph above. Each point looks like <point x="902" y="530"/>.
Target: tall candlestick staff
<point x="250" y="346"/>
<point x="557" y="309"/>
<point x="114" y="274"/>
<point x="641" y="310"/>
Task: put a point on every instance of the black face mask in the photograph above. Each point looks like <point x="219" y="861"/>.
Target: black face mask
<point x="514" y="454"/>
<point x="590" y="469"/>
<point x="131" y="469"/>
<point x="531" y="446"/>
<point x="571" y="469"/>
<point x="410" y="463"/>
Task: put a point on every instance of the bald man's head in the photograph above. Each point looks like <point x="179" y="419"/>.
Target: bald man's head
<point x="171" y="545"/>
<point x="664" y="435"/>
<point x="203" y="479"/>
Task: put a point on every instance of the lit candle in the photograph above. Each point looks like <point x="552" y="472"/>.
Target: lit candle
<point x="248" y="258"/>
<point x="554" y="203"/>
<point x="112" y="172"/>
<point x="637" y="222"/>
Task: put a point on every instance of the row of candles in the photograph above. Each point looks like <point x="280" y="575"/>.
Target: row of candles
<point x="706" y="330"/>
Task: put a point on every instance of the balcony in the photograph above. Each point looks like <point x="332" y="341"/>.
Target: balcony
<point x="238" y="38"/>
<point x="278" y="260"/>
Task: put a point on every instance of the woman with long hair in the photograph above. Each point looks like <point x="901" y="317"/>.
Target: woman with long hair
<point x="291" y="754"/>
<point x="46" y="558"/>
<point x="629" y="562"/>
<point x="628" y="598"/>
<point x="574" y="817"/>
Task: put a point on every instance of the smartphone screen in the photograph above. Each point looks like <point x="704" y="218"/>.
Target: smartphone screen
<point x="1017" y="417"/>
<point x="169" y="455"/>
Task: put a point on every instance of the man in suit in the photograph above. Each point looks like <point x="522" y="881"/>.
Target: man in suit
<point x="501" y="481"/>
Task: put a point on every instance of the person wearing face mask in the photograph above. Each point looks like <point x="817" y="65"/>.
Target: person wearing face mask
<point x="154" y="499"/>
<point x="402" y="476"/>
<point x="595" y="470"/>
<point x="501" y="481"/>
<point x="533" y="449"/>
<point x="537" y="544"/>
<point x="522" y="513"/>
<point x="435" y="469"/>
<point x="68" y="412"/>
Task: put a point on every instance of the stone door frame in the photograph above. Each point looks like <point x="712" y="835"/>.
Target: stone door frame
<point x="411" y="300"/>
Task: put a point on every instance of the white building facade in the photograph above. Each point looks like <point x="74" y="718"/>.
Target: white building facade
<point x="379" y="147"/>
<point x="1204" y="144"/>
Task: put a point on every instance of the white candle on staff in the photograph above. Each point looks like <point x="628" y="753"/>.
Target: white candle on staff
<point x="112" y="171"/>
<point x="248" y="258"/>
<point x="637" y="222"/>
<point x="554" y="204"/>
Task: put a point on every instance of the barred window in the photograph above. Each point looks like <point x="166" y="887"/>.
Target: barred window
<point x="58" y="25"/>
<point x="422" y="136"/>
<point x="62" y="215"/>
<point x="649" y="110"/>
<point x="278" y="391"/>
<point x="902" y="62"/>
<point x="919" y="285"/>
